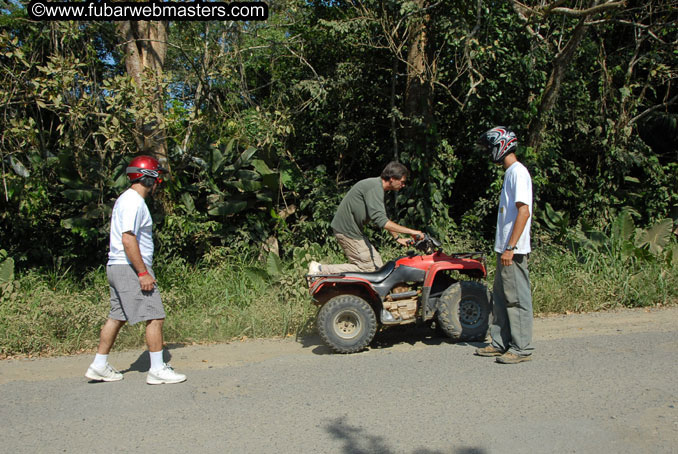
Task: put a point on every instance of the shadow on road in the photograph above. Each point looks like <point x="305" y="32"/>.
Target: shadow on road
<point x="357" y="441"/>
<point x="388" y="338"/>
<point x="407" y="334"/>
<point x="313" y="341"/>
<point x="143" y="362"/>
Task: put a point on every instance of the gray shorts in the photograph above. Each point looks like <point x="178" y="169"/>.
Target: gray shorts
<point x="128" y="302"/>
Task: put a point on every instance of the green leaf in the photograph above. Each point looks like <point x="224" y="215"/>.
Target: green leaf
<point x="217" y="160"/>
<point x="628" y="250"/>
<point x="229" y="146"/>
<point x="187" y="200"/>
<point x="6" y="267"/>
<point x="551" y="217"/>
<point x="273" y="265"/>
<point x="249" y="175"/>
<point x="287" y="177"/>
<point x="265" y="197"/>
<point x="437" y="197"/>
<point x="18" y="167"/>
<point x="261" y="167"/>
<point x="80" y="195"/>
<point x="121" y="182"/>
<point x="75" y="223"/>
<point x="248" y="185"/>
<point x="71" y="182"/>
<point x="598" y="239"/>
<point x="226" y="208"/>
<point x="674" y="256"/>
<point x="656" y="237"/>
<point x="625" y="92"/>
<point x="623" y="227"/>
<point x="245" y="157"/>
<point x="256" y="275"/>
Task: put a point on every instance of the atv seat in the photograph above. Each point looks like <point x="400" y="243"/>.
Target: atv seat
<point x="374" y="276"/>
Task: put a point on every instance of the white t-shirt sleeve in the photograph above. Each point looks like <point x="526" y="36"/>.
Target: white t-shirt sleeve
<point x="129" y="218"/>
<point x="130" y="214"/>
<point x="523" y="187"/>
<point x="517" y="188"/>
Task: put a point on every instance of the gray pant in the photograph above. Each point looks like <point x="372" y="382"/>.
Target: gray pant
<point x="511" y="327"/>
<point x="128" y="302"/>
<point x="360" y="253"/>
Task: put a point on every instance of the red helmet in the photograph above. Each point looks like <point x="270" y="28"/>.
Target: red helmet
<point x="144" y="166"/>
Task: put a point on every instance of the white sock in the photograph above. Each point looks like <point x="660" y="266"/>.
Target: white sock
<point x="100" y="361"/>
<point x="156" y="360"/>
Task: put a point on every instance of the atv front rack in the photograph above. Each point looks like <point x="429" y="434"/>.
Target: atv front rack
<point x="468" y="255"/>
<point x="477" y="255"/>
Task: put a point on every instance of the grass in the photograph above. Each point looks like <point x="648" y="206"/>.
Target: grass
<point x="226" y="298"/>
<point x="41" y="315"/>
<point x="563" y="282"/>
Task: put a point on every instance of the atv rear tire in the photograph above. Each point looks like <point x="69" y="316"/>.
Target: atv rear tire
<point x="464" y="311"/>
<point x="347" y="323"/>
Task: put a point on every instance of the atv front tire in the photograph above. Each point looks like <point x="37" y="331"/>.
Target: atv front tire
<point x="347" y="323"/>
<point x="464" y="311"/>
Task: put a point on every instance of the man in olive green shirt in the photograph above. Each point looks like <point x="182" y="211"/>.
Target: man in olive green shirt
<point x="363" y="203"/>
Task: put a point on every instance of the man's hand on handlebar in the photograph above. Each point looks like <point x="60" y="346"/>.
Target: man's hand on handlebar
<point x="416" y="236"/>
<point x="405" y="242"/>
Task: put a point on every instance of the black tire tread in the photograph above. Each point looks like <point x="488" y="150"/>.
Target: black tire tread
<point x="448" y="311"/>
<point x="337" y="303"/>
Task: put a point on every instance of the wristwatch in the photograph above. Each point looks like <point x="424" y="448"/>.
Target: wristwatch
<point x="511" y="248"/>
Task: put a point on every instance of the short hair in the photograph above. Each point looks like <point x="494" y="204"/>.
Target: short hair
<point x="146" y="181"/>
<point x="394" y="170"/>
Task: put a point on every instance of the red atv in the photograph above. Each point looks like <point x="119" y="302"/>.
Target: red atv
<point x="412" y="288"/>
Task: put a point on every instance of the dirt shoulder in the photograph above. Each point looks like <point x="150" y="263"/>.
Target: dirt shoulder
<point x="234" y="354"/>
<point x="656" y="319"/>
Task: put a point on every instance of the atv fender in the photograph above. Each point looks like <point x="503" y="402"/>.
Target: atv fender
<point x="324" y="289"/>
<point x="469" y="267"/>
<point x="473" y="268"/>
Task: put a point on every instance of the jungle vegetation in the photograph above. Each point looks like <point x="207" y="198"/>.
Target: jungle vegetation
<point x="266" y="124"/>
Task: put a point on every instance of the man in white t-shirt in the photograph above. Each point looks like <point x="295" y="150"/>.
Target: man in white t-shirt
<point x="134" y="293"/>
<point x="511" y="328"/>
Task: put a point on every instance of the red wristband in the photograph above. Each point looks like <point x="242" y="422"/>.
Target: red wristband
<point x="143" y="273"/>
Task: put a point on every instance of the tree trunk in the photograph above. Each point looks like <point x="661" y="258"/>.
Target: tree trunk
<point x="145" y="44"/>
<point x="552" y="89"/>
<point x="419" y="107"/>
<point x="418" y="104"/>
<point x="394" y="130"/>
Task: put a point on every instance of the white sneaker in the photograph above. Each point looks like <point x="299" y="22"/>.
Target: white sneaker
<point x="314" y="267"/>
<point x="164" y="375"/>
<point x="108" y="373"/>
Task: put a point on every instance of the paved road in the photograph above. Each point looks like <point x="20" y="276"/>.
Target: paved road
<point x="599" y="383"/>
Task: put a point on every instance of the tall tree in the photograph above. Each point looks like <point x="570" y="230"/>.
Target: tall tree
<point x="145" y="45"/>
<point x="418" y="102"/>
<point x="564" y="53"/>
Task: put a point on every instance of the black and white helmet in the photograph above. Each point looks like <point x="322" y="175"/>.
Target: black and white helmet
<point x="499" y="141"/>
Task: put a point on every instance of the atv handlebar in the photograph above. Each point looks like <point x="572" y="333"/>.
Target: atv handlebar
<point x="427" y="244"/>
